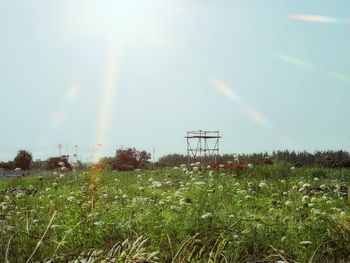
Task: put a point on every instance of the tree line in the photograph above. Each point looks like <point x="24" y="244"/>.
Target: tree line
<point x="324" y="159"/>
<point x="130" y="159"/>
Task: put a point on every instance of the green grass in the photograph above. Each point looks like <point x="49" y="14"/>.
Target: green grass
<point x="264" y="213"/>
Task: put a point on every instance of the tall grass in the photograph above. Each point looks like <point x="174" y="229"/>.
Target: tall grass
<point x="267" y="213"/>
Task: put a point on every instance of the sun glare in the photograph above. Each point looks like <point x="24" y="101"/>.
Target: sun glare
<point x="122" y="21"/>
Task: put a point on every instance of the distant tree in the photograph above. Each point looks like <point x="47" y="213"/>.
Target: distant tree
<point x="129" y="159"/>
<point x="23" y="160"/>
<point x="172" y="160"/>
<point x="54" y="162"/>
<point x="7" y="165"/>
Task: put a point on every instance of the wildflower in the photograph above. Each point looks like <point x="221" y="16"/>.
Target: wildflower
<point x="305" y="243"/>
<point x="250" y="184"/>
<point x="221" y="166"/>
<point x="182" y="165"/>
<point x="176" y="168"/>
<point x="284" y="193"/>
<point x="105" y="195"/>
<point x="176" y="208"/>
<point x="250" y="166"/>
<point x="19" y="195"/>
<point x="199" y="183"/>
<point x="61" y="164"/>
<point x="208" y="166"/>
<point x="247" y="197"/>
<point x="195" y="169"/>
<point x="55" y="184"/>
<point x="139" y="176"/>
<point x="342" y="214"/>
<point x="235" y="237"/>
<point x="283" y="238"/>
<point x="63" y="168"/>
<point x="288" y="203"/>
<point x="305" y="199"/>
<point x="207" y="215"/>
<point x="157" y="184"/>
<point x="98" y="223"/>
<point x="62" y="175"/>
<point x="292" y="168"/>
<point x="70" y="198"/>
<point x="125" y="196"/>
<point x="316" y="179"/>
<point x="262" y="184"/>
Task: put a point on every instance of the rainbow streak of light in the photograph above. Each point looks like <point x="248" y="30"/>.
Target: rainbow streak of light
<point x="254" y="115"/>
<point x="295" y="61"/>
<point x="340" y="77"/>
<point x="107" y="99"/>
<point x="304" y="64"/>
<point x="319" y="19"/>
<point x="60" y="115"/>
<point x="249" y="111"/>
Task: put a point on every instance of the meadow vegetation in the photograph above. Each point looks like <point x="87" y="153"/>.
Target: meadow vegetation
<point x="263" y="214"/>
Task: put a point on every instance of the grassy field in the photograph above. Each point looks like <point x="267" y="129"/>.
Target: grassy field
<point x="263" y="214"/>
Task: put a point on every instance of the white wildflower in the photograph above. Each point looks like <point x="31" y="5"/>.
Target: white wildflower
<point x="305" y="242"/>
<point x="262" y="184"/>
<point x="288" y="203"/>
<point x="305" y="199"/>
<point x="207" y="215"/>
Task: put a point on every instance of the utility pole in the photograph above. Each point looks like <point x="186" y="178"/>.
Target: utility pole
<point x="59" y="149"/>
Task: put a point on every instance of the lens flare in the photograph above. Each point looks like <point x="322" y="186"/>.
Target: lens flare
<point x="295" y="61"/>
<point x="107" y="99"/>
<point x="250" y="112"/>
<point x="319" y="19"/>
<point x="73" y="91"/>
<point x="60" y="115"/>
<point x="307" y="65"/>
<point x="340" y="77"/>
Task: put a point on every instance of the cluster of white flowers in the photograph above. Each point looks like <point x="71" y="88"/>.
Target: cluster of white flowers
<point x="207" y="215"/>
<point x="305" y="199"/>
<point x="262" y="184"/>
<point x="288" y="203"/>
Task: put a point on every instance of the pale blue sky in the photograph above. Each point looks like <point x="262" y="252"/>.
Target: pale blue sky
<point x="58" y="58"/>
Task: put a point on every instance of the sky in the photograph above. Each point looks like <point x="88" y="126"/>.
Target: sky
<point x="95" y="76"/>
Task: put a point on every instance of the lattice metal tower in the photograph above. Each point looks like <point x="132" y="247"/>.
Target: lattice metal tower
<point x="202" y="146"/>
